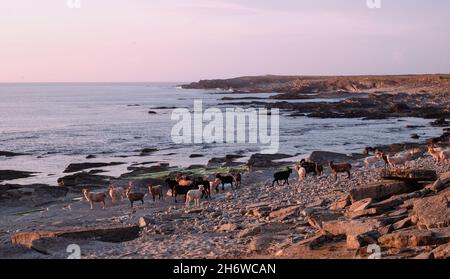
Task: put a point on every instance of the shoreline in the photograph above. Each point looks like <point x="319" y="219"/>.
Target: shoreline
<point x="236" y="223"/>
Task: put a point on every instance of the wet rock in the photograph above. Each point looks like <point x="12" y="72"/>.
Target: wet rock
<point x="322" y="157"/>
<point x="91" y="157"/>
<point x="82" y="166"/>
<point x="13" y="174"/>
<point x="147" y="151"/>
<point x="11" y="154"/>
<point x="196" y="156"/>
<point x="266" y="160"/>
<point x="152" y="112"/>
<point x="432" y="212"/>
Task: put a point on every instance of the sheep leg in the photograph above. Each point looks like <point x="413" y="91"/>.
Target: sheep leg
<point x="104" y="204"/>
<point x="142" y="201"/>
<point x="287" y="181"/>
<point x="348" y="173"/>
<point x="131" y="204"/>
<point x="91" y="204"/>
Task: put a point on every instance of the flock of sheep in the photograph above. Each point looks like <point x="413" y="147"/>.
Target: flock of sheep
<point x="194" y="189"/>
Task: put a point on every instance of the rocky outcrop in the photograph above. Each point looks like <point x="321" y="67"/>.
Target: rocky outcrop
<point x="83" y="166"/>
<point x="13" y="174"/>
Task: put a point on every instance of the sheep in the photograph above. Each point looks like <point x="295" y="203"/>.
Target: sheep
<point x="237" y="179"/>
<point x="156" y="191"/>
<point x="399" y="159"/>
<point x="282" y="175"/>
<point x="171" y="183"/>
<point x="132" y="197"/>
<point x="372" y="159"/>
<point x="215" y="184"/>
<point x="368" y="150"/>
<point x="445" y="156"/>
<point x="225" y="180"/>
<point x="116" y="193"/>
<point x="301" y="173"/>
<point x="311" y="167"/>
<point x="206" y="187"/>
<point x="94" y="197"/>
<point x="194" y="195"/>
<point x="436" y="154"/>
<point x="340" y="168"/>
<point x="182" y="190"/>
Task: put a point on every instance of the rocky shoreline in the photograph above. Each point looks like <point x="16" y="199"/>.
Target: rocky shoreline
<point x="315" y="218"/>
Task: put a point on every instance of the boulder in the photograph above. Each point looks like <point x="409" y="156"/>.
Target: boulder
<point x="355" y="227"/>
<point x="360" y="240"/>
<point x="317" y="216"/>
<point x="83" y="166"/>
<point x="405" y="223"/>
<point x="342" y="203"/>
<point x="432" y="212"/>
<point x="260" y="243"/>
<point x="322" y="157"/>
<point x="442" y="252"/>
<point x="252" y="231"/>
<point x="106" y="234"/>
<point x="414" y="238"/>
<point x="442" y="183"/>
<point x="360" y="205"/>
<point x="284" y="213"/>
<point x="13" y="174"/>
<point x="361" y="213"/>
<point x="378" y="191"/>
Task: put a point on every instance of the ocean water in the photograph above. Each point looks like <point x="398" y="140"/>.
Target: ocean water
<point x="59" y="124"/>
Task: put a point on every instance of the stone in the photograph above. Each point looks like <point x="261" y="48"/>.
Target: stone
<point x="378" y="191"/>
<point x="315" y="241"/>
<point x="318" y="216"/>
<point x="260" y="243"/>
<point x="442" y="252"/>
<point x="106" y="234"/>
<point x="360" y="240"/>
<point x="432" y="212"/>
<point x="355" y="227"/>
<point x="260" y="212"/>
<point x="341" y="203"/>
<point x="250" y="232"/>
<point x="284" y="213"/>
<point x="361" y="213"/>
<point x="402" y="224"/>
<point x="440" y="184"/>
<point x="414" y="238"/>
<point x="227" y="228"/>
<point x="75" y="167"/>
<point x="360" y="205"/>
<point x="424" y="256"/>
<point x="145" y="221"/>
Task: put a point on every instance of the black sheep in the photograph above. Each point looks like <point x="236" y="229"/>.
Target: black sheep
<point x="206" y="187"/>
<point x="182" y="190"/>
<point x="282" y="175"/>
<point x="225" y="180"/>
<point x="171" y="183"/>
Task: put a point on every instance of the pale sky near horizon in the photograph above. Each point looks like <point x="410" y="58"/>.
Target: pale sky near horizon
<point x="188" y="40"/>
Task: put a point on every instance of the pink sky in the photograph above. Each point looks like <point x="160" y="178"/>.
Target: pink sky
<point x="187" y="40"/>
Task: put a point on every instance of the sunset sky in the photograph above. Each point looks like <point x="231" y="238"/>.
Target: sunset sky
<point x="187" y="40"/>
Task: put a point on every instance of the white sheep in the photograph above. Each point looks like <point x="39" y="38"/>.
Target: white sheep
<point x="399" y="159"/>
<point x="369" y="161"/>
<point x="194" y="195"/>
<point x="301" y="171"/>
